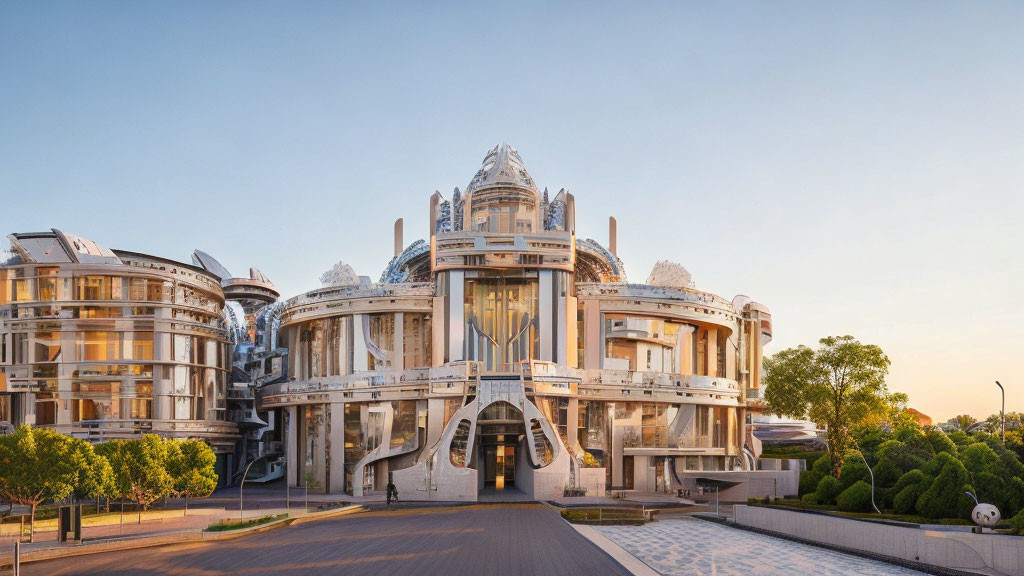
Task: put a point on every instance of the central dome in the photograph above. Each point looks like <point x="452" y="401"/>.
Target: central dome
<point x="502" y="197"/>
<point x="502" y="167"/>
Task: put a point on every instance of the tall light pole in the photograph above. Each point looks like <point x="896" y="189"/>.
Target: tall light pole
<point x="1002" y="414"/>
<point x="870" y="473"/>
<point x="242" y="485"/>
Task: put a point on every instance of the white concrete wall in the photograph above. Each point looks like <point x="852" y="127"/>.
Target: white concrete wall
<point x="752" y="483"/>
<point x="956" y="550"/>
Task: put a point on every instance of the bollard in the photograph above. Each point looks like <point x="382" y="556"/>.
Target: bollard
<point x="17" y="558"/>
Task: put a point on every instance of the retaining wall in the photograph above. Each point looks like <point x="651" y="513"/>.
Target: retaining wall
<point x="964" y="551"/>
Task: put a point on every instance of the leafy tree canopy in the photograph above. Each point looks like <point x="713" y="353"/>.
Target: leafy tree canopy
<point x="839" y="385"/>
<point x="191" y="466"/>
<point x="37" y="465"/>
<point x="140" y="468"/>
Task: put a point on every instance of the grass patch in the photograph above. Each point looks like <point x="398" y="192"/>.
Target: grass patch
<point x="225" y="525"/>
<point x="604" y="516"/>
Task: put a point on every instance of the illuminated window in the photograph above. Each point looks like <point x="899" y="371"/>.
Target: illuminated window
<point x="142" y="346"/>
<point x="501" y="321"/>
<point x="98" y="288"/>
<point x="47" y="346"/>
<point x="99" y="346"/>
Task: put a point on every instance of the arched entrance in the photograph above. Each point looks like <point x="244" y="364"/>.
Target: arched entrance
<point x="500" y="432"/>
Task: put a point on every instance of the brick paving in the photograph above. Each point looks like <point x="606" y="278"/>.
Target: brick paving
<point x="687" y="546"/>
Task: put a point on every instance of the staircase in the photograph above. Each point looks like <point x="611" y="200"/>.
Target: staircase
<point x="539" y="441"/>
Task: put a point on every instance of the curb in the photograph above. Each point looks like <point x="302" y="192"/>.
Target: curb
<point x="181" y="537"/>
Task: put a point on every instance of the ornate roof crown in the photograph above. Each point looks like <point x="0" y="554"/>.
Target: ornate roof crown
<point x="502" y="166"/>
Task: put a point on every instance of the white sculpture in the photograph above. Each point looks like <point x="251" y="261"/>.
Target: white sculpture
<point x="340" y="275"/>
<point x="670" y="274"/>
<point x="985" y="515"/>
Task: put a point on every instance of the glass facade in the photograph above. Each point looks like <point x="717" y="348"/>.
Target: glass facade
<point x="501" y="321"/>
<point x="110" y="353"/>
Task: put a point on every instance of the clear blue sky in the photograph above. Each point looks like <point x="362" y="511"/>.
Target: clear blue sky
<point x="858" y="168"/>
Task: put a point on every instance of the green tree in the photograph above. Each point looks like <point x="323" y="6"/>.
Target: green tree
<point x="140" y="469"/>
<point x="1015" y="442"/>
<point x="36" y="465"/>
<point x="869" y="438"/>
<point x="898" y="415"/>
<point x="838" y="386"/>
<point x="946" y="497"/>
<point x="940" y="442"/>
<point x="961" y="422"/>
<point x="191" y="466"/>
<point x="854" y="470"/>
<point x="95" y="476"/>
<point x="979" y="458"/>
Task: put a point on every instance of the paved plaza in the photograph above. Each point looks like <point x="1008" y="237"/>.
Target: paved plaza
<point x="691" y="547"/>
<point x="511" y="539"/>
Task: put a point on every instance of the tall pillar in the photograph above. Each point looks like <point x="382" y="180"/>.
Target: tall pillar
<point x="336" y="447"/>
<point x="685" y="349"/>
<point x="572" y="425"/>
<point x="398" y="361"/>
<point x="612" y="240"/>
<point x="571" y="333"/>
<point x="593" y="336"/>
<point x="712" y="352"/>
<point x="291" y="444"/>
<point x="437" y="327"/>
<point x="456" y="315"/>
<point x="360" y="362"/>
<point x="545" y="313"/>
<point x="399" y="245"/>
<point x="730" y="357"/>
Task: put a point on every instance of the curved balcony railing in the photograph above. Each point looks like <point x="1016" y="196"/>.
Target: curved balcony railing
<point x="633" y="438"/>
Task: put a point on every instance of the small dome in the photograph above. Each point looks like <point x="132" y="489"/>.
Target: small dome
<point x="502" y="167"/>
<point x="340" y="275"/>
<point x="670" y="274"/>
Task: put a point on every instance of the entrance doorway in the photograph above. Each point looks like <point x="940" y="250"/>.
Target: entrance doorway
<point x="499" y="464"/>
<point x="500" y="431"/>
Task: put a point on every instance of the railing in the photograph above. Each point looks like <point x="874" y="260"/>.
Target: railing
<point x="648" y="379"/>
<point x="361" y="291"/>
<point x="632" y="439"/>
<point x="654" y="292"/>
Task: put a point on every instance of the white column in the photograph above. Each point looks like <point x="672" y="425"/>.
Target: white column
<point x="398" y="362"/>
<point x="359" y="351"/>
<point x="545" y="314"/>
<point x="593" y="338"/>
<point x="712" y="352"/>
<point x="456" y="315"/>
<point x="291" y="445"/>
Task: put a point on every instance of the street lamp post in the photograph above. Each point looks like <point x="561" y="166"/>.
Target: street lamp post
<point x="870" y="473"/>
<point x="1002" y="414"/>
<point x="242" y="485"/>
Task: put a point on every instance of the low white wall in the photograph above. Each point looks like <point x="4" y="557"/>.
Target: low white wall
<point x="593" y="480"/>
<point x="752" y="483"/>
<point x="956" y="550"/>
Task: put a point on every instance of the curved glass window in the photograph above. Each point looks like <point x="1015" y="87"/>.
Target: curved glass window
<point x="501" y="321"/>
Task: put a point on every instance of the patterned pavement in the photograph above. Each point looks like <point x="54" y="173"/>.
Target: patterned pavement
<point x="686" y="546"/>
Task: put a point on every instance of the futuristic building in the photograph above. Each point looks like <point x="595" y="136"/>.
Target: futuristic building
<point x="105" y="344"/>
<point x="505" y="352"/>
<point x="501" y="352"/>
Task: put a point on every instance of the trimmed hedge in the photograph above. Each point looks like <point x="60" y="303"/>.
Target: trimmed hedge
<point x="828" y="489"/>
<point x="856" y="498"/>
